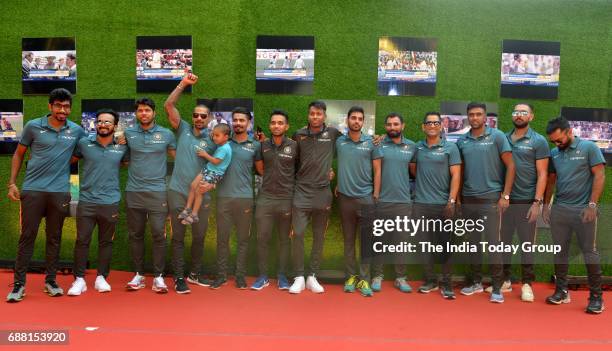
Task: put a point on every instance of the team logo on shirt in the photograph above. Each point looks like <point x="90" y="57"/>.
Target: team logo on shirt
<point x="325" y="135"/>
<point x="287" y="149"/>
<point x="68" y="131"/>
<point x="157" y="136"/>
<point x="203" y="144"/>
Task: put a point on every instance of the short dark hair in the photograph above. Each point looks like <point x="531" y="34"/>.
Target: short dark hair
<point x="355" y="109"/>
<point x="71" y="56"/>
<point x="242" y="110"/>
<point x="432" y="113"/>
<point x="557" y="123"/>
<point x="394" y="114"/>
<point x="110" y="112"/>
<point x="223" y="128"/>
<point x="318" y="104"/>
<point x="475" y="104"/>
<point x="60" y="94"/>
<point x="203" y="105"/>
<point x="526" y="104"/>
<point x="280" y="112"/>
<point x="145" y="101"/>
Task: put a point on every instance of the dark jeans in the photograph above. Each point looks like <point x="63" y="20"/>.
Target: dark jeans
<point x="437" y="238"/>
<point x="514" y="219"/>
<point x="230" y="212"/>
<point x="353" y="213"/>
<point x="268" y="214"/>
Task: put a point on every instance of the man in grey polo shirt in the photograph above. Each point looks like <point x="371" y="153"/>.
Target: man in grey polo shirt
<point x="359" y="174"/>
<point x="235" y="199"/>
<point x="45" y="190"/>
<point x="577" y="169"/>
<point x="146" y="196"/>
<point x="312" y="198"/>
<point x="279" y="156"/>
<point x="191" y="139"/>
<point x="395" y="194"/>
<point x="488" y="175"/>
<point x="438" y="178"/>
<point x="98" y="199"/>
<point x="530" y="154"/>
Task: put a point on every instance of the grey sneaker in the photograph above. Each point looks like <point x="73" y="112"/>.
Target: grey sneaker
<point x="17" y="293"/>
<point x="472" y="289"/>
<point x="376" y="284"/>
<point x="428" y="287"/>
<point x="52" y="289"/>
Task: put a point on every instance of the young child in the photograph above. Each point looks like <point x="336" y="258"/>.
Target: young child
<point x="212" y="173"/>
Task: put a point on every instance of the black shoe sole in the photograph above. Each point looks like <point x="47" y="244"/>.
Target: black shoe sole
<point x="595" y="311"/>
<point x="215" y="287"/>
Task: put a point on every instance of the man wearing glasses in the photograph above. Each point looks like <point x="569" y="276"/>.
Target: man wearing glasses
<point x="530" y="154"/>
<point x="191" y="140"/>
<point x="577" y="168"/>
<point x="438" y="178"/>
<point x="45" y="190"/>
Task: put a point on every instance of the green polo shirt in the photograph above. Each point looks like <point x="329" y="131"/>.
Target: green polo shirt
<point x="48" y="168"/>
<point x="525" y="152"/>
<point x="395" y="180"/>
<point x="484" y="172"/>
<point x="316" y="153"/>
<point x="355" y="177"/>
<point x="238" y="179"/>
<point x="148" y="157"/>
<point x="279" y="169"/>
<point x="187" y="163"/>
<point x="573" y="169"/>
<point x="433" y="176"/>
<point x="100" y="170"/>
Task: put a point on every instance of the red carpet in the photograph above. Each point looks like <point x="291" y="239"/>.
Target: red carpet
<point x="232" y="319"/>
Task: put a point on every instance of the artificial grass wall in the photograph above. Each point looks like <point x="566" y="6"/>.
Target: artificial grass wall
<point x="346" y="33"/>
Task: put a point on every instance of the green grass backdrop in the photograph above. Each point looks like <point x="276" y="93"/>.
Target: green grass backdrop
<point x="469" y="34"/>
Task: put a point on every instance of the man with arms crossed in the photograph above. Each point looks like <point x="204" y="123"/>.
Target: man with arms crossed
<point x="46" y="188"/>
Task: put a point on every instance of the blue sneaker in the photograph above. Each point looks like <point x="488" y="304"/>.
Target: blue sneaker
<point x="261" y="282"/>
<point x="377" y="284"/>
<point x="403" y="285"/>
<point x="472" y="289"/>
<point x="283" y="283"/>
<point x="497" y="297"/>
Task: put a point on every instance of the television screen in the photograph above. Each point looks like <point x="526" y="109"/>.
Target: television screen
<point x="530" y="69"/>
<point x="455" y="121"/>
<point x="407" y="66"/>
<point x="593" y="124"/>
<point x="161" y="62"/>
<point x="123" y="107"/>
<point x="284" y="65"/>
<point x="48" y="63"/>
<point x="11" y="124"/>
<point x="221" y="111"/>
<point x="337" y="110"/>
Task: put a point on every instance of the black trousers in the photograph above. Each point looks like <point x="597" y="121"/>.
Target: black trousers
<point x="437" y="238"/>
<point x="230" y="212"/>
<point x="268" y="214"/>
<point x="88" y="216"/>
<point x="514" y="219"/>
<point x="35" y="205"/>
<point x="353" y="215"/>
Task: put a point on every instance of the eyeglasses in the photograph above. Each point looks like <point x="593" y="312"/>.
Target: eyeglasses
<point x="61" y="106"/>
<point x="104" y="123"/>
<point x="432" y="123"/>
<point x="200" y="115"/>
<point x="520" y="113"/>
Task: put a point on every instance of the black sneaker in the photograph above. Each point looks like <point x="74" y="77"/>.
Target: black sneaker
<point x="241" y="282"/>
<point x="52" y="289"/>
<point x="198" y="280"/>
<point x="17" y="293"/>
<point x="560" y="296"/>
<point x="447" y="292"/>
<point x="181" y="286"/>
<point x="428" y="287"/>
<point x="596" y="305"/>
<point x="218" y="283"/>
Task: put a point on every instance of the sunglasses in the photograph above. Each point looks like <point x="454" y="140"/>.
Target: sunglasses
<point x="200" y="115"/>
<point x="432" y="123"/>
<point x="520" y="113"/>
<point x="104" y="123"/>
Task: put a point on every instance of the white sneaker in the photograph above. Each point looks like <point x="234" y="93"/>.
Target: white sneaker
<point x="297" y="286"/>
<point x="78" y="287"/>
<point x="527" y="293"/>
<point x="159" y="285"/>
<point x="138" y="282"/>
<point x="313" y="285"/>
<point x="101" y="285"/>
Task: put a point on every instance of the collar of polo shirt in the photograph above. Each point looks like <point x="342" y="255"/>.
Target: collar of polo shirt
<point x="150" y="130"/>
<point x="45" y="123"/>
<point x="441" y="143"/>
<point x="388" y="140"/>
<point x="487" y="132"/>
<point x="527" y="135"/>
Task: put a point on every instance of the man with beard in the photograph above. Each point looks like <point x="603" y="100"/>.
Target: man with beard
<point x="235" y="199"/>
<point x="191" y="140"/>
<point x="530" y="154"/>
<point x="312" y="197"/>
<point x="98" y="199"/>
<point x="359" y="164"/>
<point x="46" y="188"/>
<point x="395" y="197"/>
<point x="577" y="168"/>
<point x="146" y="196"/>
<point x="438" y="178"/>
<point x="279" y="156"/>
<point x="488" y="174"/>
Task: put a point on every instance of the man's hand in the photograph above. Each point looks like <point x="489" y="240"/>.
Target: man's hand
<point x="189" y="78"/>
<point x="336" y="191"/>
<point x="331" y="175"/>
<point x="205" y="187"/>
<point x="546" y="214"/>
<point x="120" y="139"/>
<point x="202" y="153"/>
<point x="377" y="139"/>
<point x="449" y="210"/>
<point x="502" y="205"/>
<point x="13" y="192"/>
<point x="533" y="213"/>
<point x="375" y="196"/>
<point x="260" y="136"/>
<point x="589" y="214"/>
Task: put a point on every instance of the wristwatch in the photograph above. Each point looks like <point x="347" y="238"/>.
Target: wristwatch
<point x="506" y="197"/>
<point x="452" y="201"/>
<point x="592" y="204"/>
<point x="538" y="201"/>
